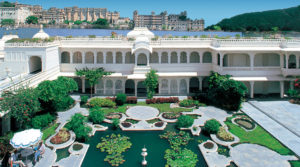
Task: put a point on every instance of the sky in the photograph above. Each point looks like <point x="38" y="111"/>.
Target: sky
<point x="212" y="11"/>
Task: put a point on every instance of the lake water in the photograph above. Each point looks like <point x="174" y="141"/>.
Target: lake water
<point x="29" y="32"/>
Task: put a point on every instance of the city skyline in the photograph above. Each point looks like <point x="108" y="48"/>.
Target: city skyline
<point x="209" y="11"/>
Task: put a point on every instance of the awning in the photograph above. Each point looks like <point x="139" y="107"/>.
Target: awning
<point x="272" y="78"/>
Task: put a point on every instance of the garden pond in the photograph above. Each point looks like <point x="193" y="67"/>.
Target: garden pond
<point x="150" y="139"/>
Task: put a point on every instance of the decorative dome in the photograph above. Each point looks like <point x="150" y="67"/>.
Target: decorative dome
<point x="41" y="34"/>
<point x="8" y="37"/>
<point x="140" y="32"/>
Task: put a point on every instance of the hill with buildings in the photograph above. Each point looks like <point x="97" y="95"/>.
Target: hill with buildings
<point x="285" y="19"/>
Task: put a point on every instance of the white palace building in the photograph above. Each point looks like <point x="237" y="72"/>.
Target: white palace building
<point x="266" y="66"/>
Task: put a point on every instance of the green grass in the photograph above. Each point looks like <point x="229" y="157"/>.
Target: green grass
<point x="295" y="163"/>
<point x="132" y="121"/>
<point x="49" y="131"/>
<point x="164" y="107"/>
<point x="153" y="120"/>
<point x="258" y="136"/>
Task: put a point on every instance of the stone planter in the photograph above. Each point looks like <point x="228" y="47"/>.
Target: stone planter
<point x="76" y="152"/>
<point x="210" y="146"/>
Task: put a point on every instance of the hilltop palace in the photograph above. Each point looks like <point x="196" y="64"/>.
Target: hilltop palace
<point x="266" y="66"/>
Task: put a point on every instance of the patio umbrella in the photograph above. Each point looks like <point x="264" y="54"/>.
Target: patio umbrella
<point x="26" y="138"/>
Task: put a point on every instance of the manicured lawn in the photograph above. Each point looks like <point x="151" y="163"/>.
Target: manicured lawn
<point x="258" y="136"/>
<point x="49" y="131"/>
<point x="295" y="163"/>
<point x="165" y="107"/>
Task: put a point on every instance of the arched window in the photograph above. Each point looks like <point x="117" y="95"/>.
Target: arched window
<point x="89" y="58"/>
<point x="207" y="57"/>
<point x="194" y="85"/>
<point x="129" y="58"/>
<point x="100" y="58"/>
<point x="100" y="87"/>
<point x="174" y="58"/>
<point x="109" y="87"/>
<point x="183" y="57"/>
<point x="109" y="58"/>
<point x="292" y="61"/>
<point x="194" y="57"/>
<point x="118" y="86"/>
<point x="154" y="57"/>
<point x="119" y="58"/>
<point x="65" y="57"/>
<point x="77" y="58"/>
<point x="164" y="86"/>
<point x="164" y="57"/>
<point x="183" y="87"/>
<point x="174" y="86"/>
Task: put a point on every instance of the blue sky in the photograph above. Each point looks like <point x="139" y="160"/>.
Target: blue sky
<point x="211" y="10"/>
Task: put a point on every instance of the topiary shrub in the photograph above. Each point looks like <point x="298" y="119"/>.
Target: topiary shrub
<point x="96" y="115"/>
<point x="184" y="121"/>
<point x="41" y="121"/>
<point x="212" y="126"/>
<point x="63" y="103"/>
<point x="188" y="103"/>
<point x="121" y="99"/>
<point x="83" y="99"/>
<point x="99" y="102"/>
<point x="78" y="125"/>
<point x="115" y="123"/>
<point x="224" y="135"/>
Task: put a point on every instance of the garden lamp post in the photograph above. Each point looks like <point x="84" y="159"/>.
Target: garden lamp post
<point x="144" y="154"/>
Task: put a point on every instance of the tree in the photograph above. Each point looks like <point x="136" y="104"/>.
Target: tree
<point x="77" y="22"/>
<point x="9" y="22"/>
<point x="6" y="4"/>
<point x="22" y="104"/>
<point x="217" y="28"/>
<point x="100" y="23"/>
<point x="96" y="115"/>
<point x="151" y="83"/>
<point x="32" y="20"/>
<point x="92" y="75"/>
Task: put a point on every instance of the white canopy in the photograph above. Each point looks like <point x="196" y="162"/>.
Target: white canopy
<point x="26" y="138"/>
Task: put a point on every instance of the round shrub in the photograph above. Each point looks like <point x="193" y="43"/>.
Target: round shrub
<point x="41" y="121"/>
<point x="115" y="122"/>
<point x="184" y="121"/>
<point x="121" y="99"/>
<point x="84" y="99"/>
<point x="96" y="115"/>
<point x="188" y="103"/>
<point x="63" y="103"/>
<point x="212" y="126"/>
<point x="99" y="102"/>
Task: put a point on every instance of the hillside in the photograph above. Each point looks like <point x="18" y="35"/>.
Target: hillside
<point x="285" y="19"/>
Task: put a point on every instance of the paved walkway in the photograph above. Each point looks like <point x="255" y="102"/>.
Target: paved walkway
<point x="284" y="135"/>
<point x="253" y="155"/>
<point x="142" y="113"/>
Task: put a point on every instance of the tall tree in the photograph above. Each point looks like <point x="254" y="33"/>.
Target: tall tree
<point x="32" y="20"/>
<point x="151" y="83"/>
<point x="92" y="75"/>
<point x="9" y="22"/>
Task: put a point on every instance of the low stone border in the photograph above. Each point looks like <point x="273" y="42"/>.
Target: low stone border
<point x="214" y="149"/>
<point x="225" y="143"/>
<point x="95" y="129"/>
<point x="81" y="151"/>
<point x="63" y="145"/>
<point x="122" y="119"/>
<point x="166" y="120"/>
<point x="214" y="159"/>
<point x="143" y="126"/>
<point x="197" y="132"/>
<point x="232" y="121"/>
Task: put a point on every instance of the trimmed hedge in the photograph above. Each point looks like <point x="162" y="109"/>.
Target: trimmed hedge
<point x="101" y="102"/>
<point x="84" y="99"/>
<point x="212" y="126"/>
<point x="188" y="103"/>
<point x="96" y="115"/>
<point x="42" y="121"/>
<point x="162" y="100"/>
<point x="129" y="100"/>
<point x="184" y="121"/>
<point x="121" y="99"/>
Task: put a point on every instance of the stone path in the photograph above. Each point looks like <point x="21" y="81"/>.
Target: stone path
<point x="253" y="155"/>
<point x="142" y="113"/>
<point x="281" y="133"/>
<point x="143" y="125"/>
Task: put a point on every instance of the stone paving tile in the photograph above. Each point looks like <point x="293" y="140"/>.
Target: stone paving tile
<point x="142" y="113"/>
<point x="281" y="133"/>
<point x="253" y="155"/>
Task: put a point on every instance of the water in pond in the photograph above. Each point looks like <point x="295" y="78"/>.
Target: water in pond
<point x="155" y="147"/>
<point x="62" y="153"/>
<point x="29" y="32"/>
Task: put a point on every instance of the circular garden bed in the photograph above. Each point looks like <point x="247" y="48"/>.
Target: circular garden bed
<point x="61" y="137"/>
<point x="170" y="115"/>
<point x="208" y="145"/>
<point x="159" y="124"/>
<point x="245" y="123"/>
<point x="126" y="124"/>
<point x="113" y="115"/>
<point x="77" y="147"/>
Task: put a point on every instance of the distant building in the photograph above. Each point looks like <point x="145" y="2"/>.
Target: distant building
<point x="17" y="13"/>
<point x="53" y="15"/>
<point x="153" y="22"/>
<point x="123" y="23"/>
<point x="177" y="22"/>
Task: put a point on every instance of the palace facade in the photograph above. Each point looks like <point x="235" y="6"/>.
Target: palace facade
<point x="266" y="66"/>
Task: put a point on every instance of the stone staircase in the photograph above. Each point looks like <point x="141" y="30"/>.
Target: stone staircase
<point x="141" y="69"/>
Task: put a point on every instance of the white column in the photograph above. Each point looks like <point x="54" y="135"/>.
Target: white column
<point x="297" y="61"/>
<point x="178" y="57"/>
<point x="114" y="89"/>
<point x="95" y="57"/>
<point x="104" y="86"/>
<point x="286" y="61"/>
<point x="169" y="57"/>
<point x="83" y="57"/>
<point x="148" y="57"/>
<point x="188" y="56"/>
<point x="123" y="84"/>
<point x="252" y="56"/>
<point x="178" y="86"/>
<point x="104" y="57"/>
<point x="159" y="57"/>
<point x="123" y="57"/>
<point x="281" y="60"/>
<point x="251" y="89"/>
<point x="135" y="88"/>
<point x="188" y="85"/>
<point x="221" y="59"/>
<point x="114" y="57"/>
<point x="200" y="56"/>
<point x="159" y="86"/>
<point x="200" y="83"/>
<point x="135" y="57"/>
<point x="215" y="58"/>
<point x="83" y="85"/>
<point x="281" y="89"/>
<point x="169" y="86"/>
<point x="71" y="57"/>
<point x="292" y="85"/>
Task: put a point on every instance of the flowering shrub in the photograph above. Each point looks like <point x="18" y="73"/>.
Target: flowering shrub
<point x="162" y="100"/>
<point x="224" y="135"/>
<point x="129" y="100"/>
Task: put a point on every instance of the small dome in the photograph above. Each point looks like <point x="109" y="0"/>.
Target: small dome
<point x="140" y="32"/>
<point x="41" y="34"/>
<point x="8" y="37"/>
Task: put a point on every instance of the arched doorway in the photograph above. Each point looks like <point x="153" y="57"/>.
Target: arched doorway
<point x="194" y="85"/>
<point x="142" y="60"/>
<point x="35" y="64"/>
<point x="141" y="89"/>
<point x="129" y="87"/>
